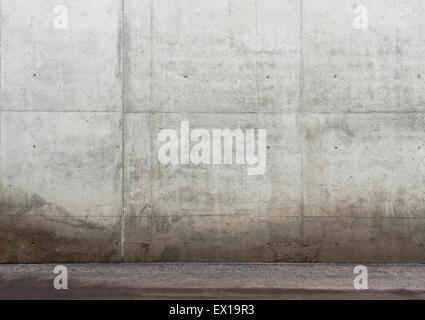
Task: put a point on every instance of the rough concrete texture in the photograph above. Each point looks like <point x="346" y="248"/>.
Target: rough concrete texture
<point x="212" y="281"/>
<point x="81" y="110"/>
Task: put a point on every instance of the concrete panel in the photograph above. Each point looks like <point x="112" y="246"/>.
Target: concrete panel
<point x="385" y="240"/>
<point x="380" y="68"/>
<point x="207" y="189"/>
<point x="61" y="163"/>
<point x="60" y="190"/>
<point x="364" y="165"/>
<point x="44" y="68"/>
<point x="214" y="56"/>
<point x="230" y="238"/>
<point x="59" y="239"/>
<point x="204" y="55"/>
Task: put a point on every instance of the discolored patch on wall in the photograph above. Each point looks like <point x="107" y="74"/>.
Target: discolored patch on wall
<point x="33" y="230"/>
<point x="226" y="239"/>
<point x="364" y="240"/>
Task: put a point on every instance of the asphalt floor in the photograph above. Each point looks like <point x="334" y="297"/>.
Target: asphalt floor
<point x="213" y="281"/>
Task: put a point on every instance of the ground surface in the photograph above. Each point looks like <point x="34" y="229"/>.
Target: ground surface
<point x="212" y="281"/>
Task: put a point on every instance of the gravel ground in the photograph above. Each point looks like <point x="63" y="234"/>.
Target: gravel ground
<point x="212" y="281"/>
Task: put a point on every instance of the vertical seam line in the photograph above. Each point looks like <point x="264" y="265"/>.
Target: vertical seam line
<point x="151" y="115"/>
<point x="301" y="114"/>
<point x="123" y="214"/>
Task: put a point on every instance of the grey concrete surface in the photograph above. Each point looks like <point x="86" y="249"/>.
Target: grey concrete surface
<point x="212" y="281"/>
<point x="377" y="70"/>
<point x="61" y="70"/>
<point x="81" y="110"/>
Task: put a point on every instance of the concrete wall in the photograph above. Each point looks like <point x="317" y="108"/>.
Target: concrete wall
<point x="82" y="108"/>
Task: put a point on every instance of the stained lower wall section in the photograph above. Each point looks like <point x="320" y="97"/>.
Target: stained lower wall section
<point x="81" y="110"/>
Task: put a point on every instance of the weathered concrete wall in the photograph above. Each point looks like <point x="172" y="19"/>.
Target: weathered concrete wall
<point x="82" y="109"/>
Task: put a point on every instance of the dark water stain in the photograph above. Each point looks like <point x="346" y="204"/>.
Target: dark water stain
<point x="32" y="230"/>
